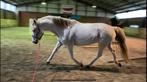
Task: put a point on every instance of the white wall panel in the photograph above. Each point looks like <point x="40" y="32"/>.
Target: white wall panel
<point x="71" y="2"/>
<point x="81" y="13"/>
<point x="53" y="5"/>
<point x="41" y="9"/>
<point x="81" y="8"/>
<point x="91" y="14"/>
<point x="55" y="1"/>
<point x="101" y="14"/>
<point x="52" y="11"/>
<point x="32" y="9"/>
<point x="109" y="15"/>
<point x="36" y="4"/>
<point x="22" y="8"/>
<point x="63" y="2"/>
<point x="80" y="4"/>
<point x="89" y="8"/>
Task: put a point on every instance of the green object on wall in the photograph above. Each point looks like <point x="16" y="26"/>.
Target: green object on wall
<point x="8" y="22"/>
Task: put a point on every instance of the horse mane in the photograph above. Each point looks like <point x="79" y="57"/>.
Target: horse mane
<point x="61" y="22"/>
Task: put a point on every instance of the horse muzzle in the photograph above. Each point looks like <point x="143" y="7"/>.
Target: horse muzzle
<point x="35" y="42"/>
<point x="35" y="39"/>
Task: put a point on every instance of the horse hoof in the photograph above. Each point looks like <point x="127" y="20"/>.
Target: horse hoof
<point x="47" y="63"/>
<point x="81" y="65"/>
<point x="88" y="66"/>
<point x="119" y="64"/>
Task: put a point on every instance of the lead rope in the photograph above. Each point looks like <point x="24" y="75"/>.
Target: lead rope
<point x="37" y="53"/>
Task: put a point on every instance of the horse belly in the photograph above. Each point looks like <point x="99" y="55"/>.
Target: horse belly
<point x="84" y="42"/>
<point x="86" y="38"/>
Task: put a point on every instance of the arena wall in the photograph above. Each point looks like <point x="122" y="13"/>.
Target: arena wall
<point x="8" y="18"/>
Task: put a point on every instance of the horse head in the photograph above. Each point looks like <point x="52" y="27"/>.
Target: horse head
<point x="37" y="33"/>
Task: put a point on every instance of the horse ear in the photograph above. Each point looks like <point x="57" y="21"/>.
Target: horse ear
<point x="34" y="21"/>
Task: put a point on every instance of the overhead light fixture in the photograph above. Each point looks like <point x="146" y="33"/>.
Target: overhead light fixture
<point x="43" y="3"/>
<point x="93" y="6"/>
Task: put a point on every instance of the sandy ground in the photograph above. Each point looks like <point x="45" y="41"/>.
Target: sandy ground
<point x="17" y="66"/>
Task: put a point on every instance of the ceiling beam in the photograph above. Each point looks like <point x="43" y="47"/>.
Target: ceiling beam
<point x="129" y="3"/>
<point x="103" y="3"/>
<point x="98" y="7"/>
<point x="131" y="10"/>
<point x="10" y="2"/>
<point x="129" y="6"/>
<point x="21" y="3"/>
<point x="28" y="3"/>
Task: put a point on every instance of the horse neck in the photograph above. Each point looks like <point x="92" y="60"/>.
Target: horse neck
<point x="58" y="31"/>
<point x="54" y="29"/>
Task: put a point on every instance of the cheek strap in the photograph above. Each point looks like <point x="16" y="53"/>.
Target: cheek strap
<point x="40" y="36"/>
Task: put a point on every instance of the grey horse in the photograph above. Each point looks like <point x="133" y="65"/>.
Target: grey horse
<point x="71" y="32"/>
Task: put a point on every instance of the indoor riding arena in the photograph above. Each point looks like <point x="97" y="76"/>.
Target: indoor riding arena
<point x="27" y="56"/>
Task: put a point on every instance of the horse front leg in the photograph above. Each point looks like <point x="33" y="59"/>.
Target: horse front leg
<point x="58" y="45"/>
<point x="70" y="50"/>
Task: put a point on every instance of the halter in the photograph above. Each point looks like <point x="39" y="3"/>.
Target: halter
<point x="37" y="34"/>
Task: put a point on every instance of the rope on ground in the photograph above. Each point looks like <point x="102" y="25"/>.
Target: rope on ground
<point x="37" y="57"/>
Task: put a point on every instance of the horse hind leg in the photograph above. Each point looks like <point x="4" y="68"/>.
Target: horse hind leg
<point x="99" y="54"/>
<point x="114" y="55"/>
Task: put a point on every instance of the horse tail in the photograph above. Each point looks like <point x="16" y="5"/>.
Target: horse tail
<point x="120" y="37"/>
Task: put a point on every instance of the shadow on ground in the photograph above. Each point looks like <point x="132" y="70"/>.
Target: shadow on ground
<point x="128" y="69"/>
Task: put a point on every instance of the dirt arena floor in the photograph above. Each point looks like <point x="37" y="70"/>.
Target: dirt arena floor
<point x="17" y="64"/>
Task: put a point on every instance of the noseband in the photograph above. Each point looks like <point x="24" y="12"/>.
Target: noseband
<point x="37" y="36"/>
